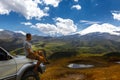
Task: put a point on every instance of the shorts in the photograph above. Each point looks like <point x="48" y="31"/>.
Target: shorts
<point x="32" y="56"/>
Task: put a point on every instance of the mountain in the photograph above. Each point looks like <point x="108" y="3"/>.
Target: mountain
<point x="6" y="34"/>
<point x="93" y="42"/>
<point x="103" y="28"/>
<point x="12" y="40"/>
<point x="21" y="32"/>
<point x="100" y="39"/>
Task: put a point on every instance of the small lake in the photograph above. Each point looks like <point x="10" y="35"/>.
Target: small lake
<point x="76" y="66"/>
<point x="118" y="62"/>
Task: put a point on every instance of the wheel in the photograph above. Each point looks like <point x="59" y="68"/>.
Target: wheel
<point x="30" y="75"/>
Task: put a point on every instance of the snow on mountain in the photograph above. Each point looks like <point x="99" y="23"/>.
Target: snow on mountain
<point x="21" y="32"/>
<point x="1" y="29"/>
<point x="103" y="28"/>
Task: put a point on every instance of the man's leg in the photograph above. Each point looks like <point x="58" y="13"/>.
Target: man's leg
<point x="40" y="59"/>
<point x="37" y="65"/>
<point x="40" y="53"/>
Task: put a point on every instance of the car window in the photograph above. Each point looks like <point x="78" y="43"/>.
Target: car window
<point x="3" y="55"/>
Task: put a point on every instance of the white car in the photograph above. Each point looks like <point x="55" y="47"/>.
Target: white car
<point x="18" y="68"/>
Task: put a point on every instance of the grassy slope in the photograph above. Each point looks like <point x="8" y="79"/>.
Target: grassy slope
<point x="57" y="70"/>
<point x="57" y="46"/>
<point x="104" y="70"/>
<point x="50" y="47"/>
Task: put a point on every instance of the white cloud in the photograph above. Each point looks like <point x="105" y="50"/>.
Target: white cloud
<point x="46" y="28"/>
<point x="3" y="10"/>
<point x="46" y="9"/>
<point x="26" y="23"/>
<point x="89" y="22"/>
<point x="61" y="27"/>
<point x="78" y="7"/>
<point x="116" y="15"/>
<point x="28" y="8"/>
<point x="54" y="3"/>
<point x="65" y="26"/>
<point x="38" y="1"/>
<point x="76" y="0"/>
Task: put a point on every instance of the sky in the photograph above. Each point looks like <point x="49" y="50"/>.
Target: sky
<point x="57" y="17"/>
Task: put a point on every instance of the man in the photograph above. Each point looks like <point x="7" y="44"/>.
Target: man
<point x="37" y="55"/>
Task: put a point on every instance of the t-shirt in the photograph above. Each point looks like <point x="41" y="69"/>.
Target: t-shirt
<point x="27" y="45"/>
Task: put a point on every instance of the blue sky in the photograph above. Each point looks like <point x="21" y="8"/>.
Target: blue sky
<point x="57" y="17"/>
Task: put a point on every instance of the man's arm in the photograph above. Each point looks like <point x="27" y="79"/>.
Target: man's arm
<point x="29" y="51"/>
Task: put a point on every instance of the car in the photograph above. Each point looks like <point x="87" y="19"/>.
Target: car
<point x="18" y="67"/>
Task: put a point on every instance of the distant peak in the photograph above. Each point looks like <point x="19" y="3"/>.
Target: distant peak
<point x="21" y="32"/>
<point x="103" y="28"/>
<point x="1" y="29"/>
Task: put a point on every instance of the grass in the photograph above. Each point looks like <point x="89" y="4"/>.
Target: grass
<point x="89" y="54"/>
<point x="58" y="70"/>
<point x="103" y="70"/>
<point x="18" y="51"/>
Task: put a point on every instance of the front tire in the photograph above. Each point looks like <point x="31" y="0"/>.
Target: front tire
<point x="30" y="75"/>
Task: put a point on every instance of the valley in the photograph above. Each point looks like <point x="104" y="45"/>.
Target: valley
<point x="100" y="50"/>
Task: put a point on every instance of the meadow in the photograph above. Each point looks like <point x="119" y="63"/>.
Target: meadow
<point x="61" y="54"/>
<point x="104" y="69"/>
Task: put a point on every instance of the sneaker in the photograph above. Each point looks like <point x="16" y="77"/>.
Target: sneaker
<point x="35" y="71"/>
<point x="40" y="70"/>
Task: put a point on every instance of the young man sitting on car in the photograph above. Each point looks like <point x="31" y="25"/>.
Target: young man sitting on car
<point x="37" y="55"/>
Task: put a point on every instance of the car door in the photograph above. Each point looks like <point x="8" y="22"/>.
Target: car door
<point x="7" y="65"/>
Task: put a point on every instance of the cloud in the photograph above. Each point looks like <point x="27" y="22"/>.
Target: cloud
<point x="28" y="8"/>
<point x="89" y="22"/>
<point x="65" y="26"/>
<point x="54" y="3"/>
<point x="75" y="0"/>
<point x="61" y="27"/>
<point x="46" y="9"/>
<point x="116" y="15"/>
<point x="48" y="29"/>
<point x="38" y="1"/>
<point x="26" y="23"/>
<point x="78" y="7"/>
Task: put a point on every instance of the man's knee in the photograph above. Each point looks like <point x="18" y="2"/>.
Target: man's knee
<point x="39" y="58"/>
<point x="40" y="53"/>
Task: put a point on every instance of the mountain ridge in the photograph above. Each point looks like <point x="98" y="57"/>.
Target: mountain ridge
<point x="96" y="42"/>
<point x="103" y="28"/>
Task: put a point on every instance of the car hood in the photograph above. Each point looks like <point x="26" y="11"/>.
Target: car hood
<point x="23" y="59"/>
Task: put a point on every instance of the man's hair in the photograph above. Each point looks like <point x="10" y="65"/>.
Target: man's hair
<point x="28" y="35"/>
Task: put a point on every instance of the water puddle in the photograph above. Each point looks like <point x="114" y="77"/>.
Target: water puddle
<point x="118" y="62"/>
<point x="76" y="66"/>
